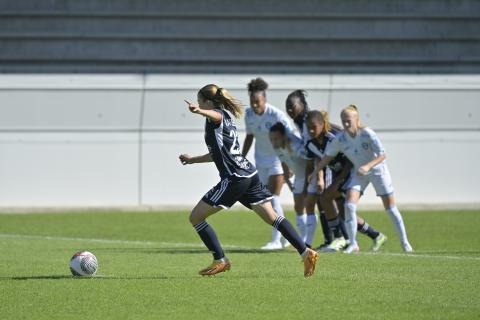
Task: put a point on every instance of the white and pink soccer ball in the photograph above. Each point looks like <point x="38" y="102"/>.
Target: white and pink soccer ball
<point x="83" y="264"/>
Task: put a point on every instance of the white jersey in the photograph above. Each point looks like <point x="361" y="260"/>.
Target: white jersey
<point x="259" y="126"/>
<point x="302" y="128"/>
<point x="294" y="156"/>
<point x="360" y="150"/>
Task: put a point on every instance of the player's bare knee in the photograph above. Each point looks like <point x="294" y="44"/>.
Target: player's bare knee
<point x="299" y="208"/>
<point x="194" y="217"/>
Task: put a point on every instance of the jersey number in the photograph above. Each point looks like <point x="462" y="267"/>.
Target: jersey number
<point x="235" y="148"/>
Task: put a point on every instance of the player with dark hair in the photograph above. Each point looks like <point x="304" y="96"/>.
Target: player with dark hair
<point x="239" y="180"/>
<point x="291" y="152"/>
<point x="297" y="108"/>
<point x="258" y="120"/>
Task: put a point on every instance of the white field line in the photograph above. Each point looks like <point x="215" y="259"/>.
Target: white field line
<point x="129" y="242"/>
<point x="419" y="255"/>
<point x="200" y="245"/>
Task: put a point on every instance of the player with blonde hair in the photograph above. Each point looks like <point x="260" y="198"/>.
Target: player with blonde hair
<point x="239" y="180"/>
<point x="332" y="187"/>
<point x="362" y="147"/>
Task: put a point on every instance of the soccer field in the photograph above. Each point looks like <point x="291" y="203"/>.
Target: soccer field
<point x="149" y="264"/>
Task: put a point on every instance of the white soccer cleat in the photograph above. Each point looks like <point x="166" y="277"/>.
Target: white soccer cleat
<point x="352" y="248"/>
<point x="407" y="247"/>
<point x="272" y="245"/>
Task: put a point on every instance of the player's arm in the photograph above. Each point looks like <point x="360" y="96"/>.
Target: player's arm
<point x="212" y="115"/>
<point x="247" y="144"/>
<point x="319" y="166"/>
<point x="188" y="159"/>
<point x="332" y="150"/>
<point x="332" y="190"/>
<point x="308" y="171"/>
<point x="363" y="170"/>
<point x="320" y="177"/>
<point x="286" y="175"/>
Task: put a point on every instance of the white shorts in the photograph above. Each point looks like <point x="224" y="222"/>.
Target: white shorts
<point x="265" y="172"/>
<point x="380" y="179"/>
<point x="312" y="187"/>
<point x="298" y="184"/>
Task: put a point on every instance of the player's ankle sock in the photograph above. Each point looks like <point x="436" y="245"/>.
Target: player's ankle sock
<point x="209" y="238"/>
<point x="367" y="230"/>
<point x="289" y="233"/>
<point x="351" y="221"/>
<point x="302" y="226"/>
<point x="334" y="226"/>
<point x="311" y="227"/>
<point x="398" y="223"/>
<point x="276" y="235"/>
<point x="327" y="233"/>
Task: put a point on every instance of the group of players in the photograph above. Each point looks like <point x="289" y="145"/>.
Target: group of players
<point x="283" y="149"/>
<point x="331" y="168"/>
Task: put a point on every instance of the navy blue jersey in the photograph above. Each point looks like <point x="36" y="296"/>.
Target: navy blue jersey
<point x="315" y="149"/>
<point x="222" y="143"/>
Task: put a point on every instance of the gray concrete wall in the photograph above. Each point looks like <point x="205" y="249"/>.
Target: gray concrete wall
<point x="250" y="36"/>
<point x="114" y="140"/>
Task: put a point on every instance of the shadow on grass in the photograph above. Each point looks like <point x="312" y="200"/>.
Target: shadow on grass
<point x="70" y="277"/>
<point x="174" y="250"/>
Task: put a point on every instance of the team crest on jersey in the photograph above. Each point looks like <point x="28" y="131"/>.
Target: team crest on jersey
<point x="229" y="123"/>
<point x="242" y="162"/>
<point x="268" y="125"/>
<point x="365" y="145"/>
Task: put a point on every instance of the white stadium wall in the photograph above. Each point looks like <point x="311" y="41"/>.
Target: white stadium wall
<point x="114" y="140"/>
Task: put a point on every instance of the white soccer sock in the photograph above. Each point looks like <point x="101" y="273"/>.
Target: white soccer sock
<point x="310" y="228"/>
<point x="302" y="226"/>
<point x="398" y="224"/>
<point x="276" y="235"/>
<point x="351" y="221"/>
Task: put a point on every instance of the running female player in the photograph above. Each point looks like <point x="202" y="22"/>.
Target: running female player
<point x="239" y="180"/>
<point x="363" y="148"/>
<point x="291" y="152"/>
<point x="337" y="174"/>
<point x="258" y="120"/>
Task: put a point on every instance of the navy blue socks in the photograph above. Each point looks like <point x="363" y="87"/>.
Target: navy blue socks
<point x="209" y="238"/>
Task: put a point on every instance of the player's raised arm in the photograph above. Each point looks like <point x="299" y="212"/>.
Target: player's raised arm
<point x="213" y="115"/>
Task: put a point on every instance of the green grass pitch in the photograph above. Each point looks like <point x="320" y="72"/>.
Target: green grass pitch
<point x="149" y="264"/>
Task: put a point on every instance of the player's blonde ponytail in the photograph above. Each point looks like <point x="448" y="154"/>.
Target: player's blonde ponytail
<point x="222" y="98"/>
<point x="229" y="102"/>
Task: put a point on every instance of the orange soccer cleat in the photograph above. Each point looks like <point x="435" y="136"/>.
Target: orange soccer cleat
<point x="216" y="267"/>
<point x="309" y="261"/>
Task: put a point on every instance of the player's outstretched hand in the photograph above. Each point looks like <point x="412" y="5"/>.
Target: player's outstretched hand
<point x="193" y="107"/>
<point x="185" y="159"/>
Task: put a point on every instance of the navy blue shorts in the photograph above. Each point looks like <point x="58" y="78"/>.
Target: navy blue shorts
<point x="248" y="191"/>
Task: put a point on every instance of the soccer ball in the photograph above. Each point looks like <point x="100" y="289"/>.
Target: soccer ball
<point x="83" y="264"/>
